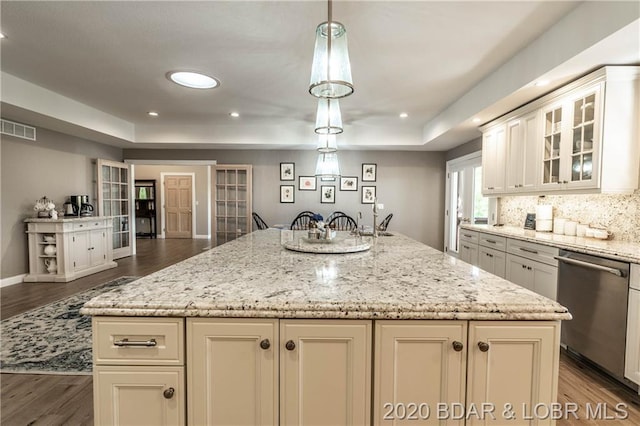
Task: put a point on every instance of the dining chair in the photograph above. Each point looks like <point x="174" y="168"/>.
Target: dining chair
<point x="261" y="224"/>
<point x="334" y="214"/>
<point x="385" y="222"/>
<point x="302" y="221"/>
<point x="342" y="222"/>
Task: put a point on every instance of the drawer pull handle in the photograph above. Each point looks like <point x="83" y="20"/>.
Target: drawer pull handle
<point x="133" y="343"/>
<point x="290" y="345"/>
<point x="168" y="393"/>
<point x="467" y="235"/>
<point x="528" y="250"/>
<point x="457" y="346"/>
<point x="483" y="346"/>
<point x="265" y="344"/>
<point x="491" y="241"/>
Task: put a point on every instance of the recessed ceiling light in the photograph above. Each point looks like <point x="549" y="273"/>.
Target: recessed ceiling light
<point x="193" y="80"/>
<point x="541" y="83"/>
<point x="2" y="36"/>
<point x="476" y="120"/>
<point x="153" y="113"/>
<point x="403" y="115"/>
<point x="234" y="114"/>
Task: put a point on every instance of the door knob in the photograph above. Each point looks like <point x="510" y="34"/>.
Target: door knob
<point x="168" y="393"/>
<point x="483" y="346"/>
<point x="290" y="345"/>
<point x="457" y="346"/>
<point x="265" y="344"/>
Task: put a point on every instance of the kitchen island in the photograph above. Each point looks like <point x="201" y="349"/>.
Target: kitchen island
<point x="252" y="333"/>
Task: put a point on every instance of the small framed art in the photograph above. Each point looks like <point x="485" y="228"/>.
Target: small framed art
<point x="287" y="171"/>
<point x="369" y="171"/>
<point x="368" y="194"/>
<point x="328" y="194"/>
<point x="348" y="183"/>
<point x="286" y="193"/>
<point x="307" y="183"/>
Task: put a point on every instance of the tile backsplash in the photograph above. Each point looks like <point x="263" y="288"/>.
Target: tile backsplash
<point x="620" y="214"/>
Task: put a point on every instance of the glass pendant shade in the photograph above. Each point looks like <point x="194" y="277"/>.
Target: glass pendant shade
<point x="327" y="143"/>
<point x="331" y="70"/>
<point x="328" y="117"/>
<point x="327" y="165"/>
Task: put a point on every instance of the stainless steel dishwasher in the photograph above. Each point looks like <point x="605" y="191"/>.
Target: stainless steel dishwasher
<point x="595" y="290"/>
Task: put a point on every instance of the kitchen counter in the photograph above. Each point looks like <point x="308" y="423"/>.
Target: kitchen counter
<point x="254" y="276"/>
<point x="63" y="219"/>
<point x="613" y="249"/>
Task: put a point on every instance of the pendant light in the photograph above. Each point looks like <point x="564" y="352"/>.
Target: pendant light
<point x="328" y="117"/>
<point x="331" y="70"/>
<point x="327" y="165"/>
<point x="327" y="143"/>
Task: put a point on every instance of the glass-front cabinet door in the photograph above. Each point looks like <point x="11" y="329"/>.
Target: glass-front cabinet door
<point x="584" y="153"/>
<point x="114" y="190"/>
<point x="552" y="143"/>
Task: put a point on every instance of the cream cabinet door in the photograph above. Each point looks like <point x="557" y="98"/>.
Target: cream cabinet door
<point x="468" y="252"/>
<point x="493" y="261"/>
<point x="522" y="162"/>
<point x="81" y="250"/>
<point x="418" y="365"/>
<point x="127" y="395"/>
<point x="325" y="372"/>
<point x="493" y="159"/>
<point x="232" y="372"/>
<point x="514" y="366"/>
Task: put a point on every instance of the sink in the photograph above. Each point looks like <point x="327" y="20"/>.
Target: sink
<point x="380" y="234"/>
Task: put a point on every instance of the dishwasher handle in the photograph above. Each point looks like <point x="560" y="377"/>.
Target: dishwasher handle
<point x="590" y="265"/>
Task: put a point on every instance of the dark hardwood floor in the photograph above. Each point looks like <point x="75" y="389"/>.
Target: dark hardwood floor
<point x="30" y="399"/>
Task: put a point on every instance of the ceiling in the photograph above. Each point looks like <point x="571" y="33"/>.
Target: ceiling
<point x="95" y="68"/>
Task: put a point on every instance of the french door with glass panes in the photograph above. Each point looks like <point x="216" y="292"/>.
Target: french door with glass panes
<point x="114" y="193"/>
<point x="464" y="200"/>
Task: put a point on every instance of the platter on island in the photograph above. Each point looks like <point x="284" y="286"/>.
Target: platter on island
<point x="334" y="246"/>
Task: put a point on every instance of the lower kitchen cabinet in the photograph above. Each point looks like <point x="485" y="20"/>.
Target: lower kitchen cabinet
<point x="232" y="373"/>
<point x="139" y="395"/>
<point x="418" y="364"/>
<point x="535" y="276"/>
<point x="514" y="363"/>
<point x="632" y="356"/>
<point x="491" y="260"/>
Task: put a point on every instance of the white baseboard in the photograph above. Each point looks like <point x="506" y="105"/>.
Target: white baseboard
<point x="6" y="282"/>
<point x="202" y="237"/>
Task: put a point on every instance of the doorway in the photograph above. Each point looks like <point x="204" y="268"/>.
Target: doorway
<point x="464" y="202"/>
<point x="178" y="220"/>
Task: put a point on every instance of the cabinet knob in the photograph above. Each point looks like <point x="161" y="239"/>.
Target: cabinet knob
<point x="265" y="344"/>
<point x="483" y="346"/>
<point x="168" y="393"/>
<point x="457" y="346"/>
<point x="290" y="345"/>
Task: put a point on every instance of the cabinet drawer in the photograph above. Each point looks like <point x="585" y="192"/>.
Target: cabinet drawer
<point x="492" y="241"/>
<point x="533" y="251"/>
<point x="469" y="236"/>
<point x="90" y="224"/>
<point x="138" y="341"/>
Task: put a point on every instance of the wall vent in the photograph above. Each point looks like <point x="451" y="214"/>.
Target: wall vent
<point x="18" y="130"/>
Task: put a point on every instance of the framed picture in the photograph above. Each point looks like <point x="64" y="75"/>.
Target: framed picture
<point x="328" y="179"/>
<point x="328" y="194"/>
<point x="286" y="193"/>
<point x="287" y="171"/>
<point x="348" y="183"/>
<point x="368" y="194"/>
<point x="307" y="183"/>
<point x="369" y="171"/>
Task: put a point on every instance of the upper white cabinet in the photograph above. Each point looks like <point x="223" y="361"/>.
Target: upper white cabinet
<point x="582" y="137"/>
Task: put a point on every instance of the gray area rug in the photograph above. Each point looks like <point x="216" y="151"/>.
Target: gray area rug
<point x="52" y="339"/>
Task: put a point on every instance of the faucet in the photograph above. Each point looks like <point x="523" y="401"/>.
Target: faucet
<point x="356" y="231"/>
<point x="375" y="217"/>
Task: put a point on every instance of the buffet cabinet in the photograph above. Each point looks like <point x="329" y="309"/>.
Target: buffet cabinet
<point x="62" y="250"/>
<point x="582" y="137"/>
<point x="268" y="371"/>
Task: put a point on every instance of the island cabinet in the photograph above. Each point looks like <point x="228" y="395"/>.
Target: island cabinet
<point x="323" y="368"/>
<point x="459" y="372"/>
<point x="632" y="358"/>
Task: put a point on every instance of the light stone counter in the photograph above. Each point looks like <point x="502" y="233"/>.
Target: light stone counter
<point x="254" y="276"/>
<point x="64" y="219"/>
<point x="618" y="250"/>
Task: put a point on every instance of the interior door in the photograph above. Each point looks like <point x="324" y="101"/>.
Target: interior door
<point x="178" y="206"/>
<point x="114" y="194"/>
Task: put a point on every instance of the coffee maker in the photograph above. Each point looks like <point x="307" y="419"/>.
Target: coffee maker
<point x="79" y="206"/>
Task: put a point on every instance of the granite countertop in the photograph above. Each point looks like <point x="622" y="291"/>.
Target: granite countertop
<point x="64" y="219"/>
<point x="254" y="276"/>
<point x="614" y="249"/>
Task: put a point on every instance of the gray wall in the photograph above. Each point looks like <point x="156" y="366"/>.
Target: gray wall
<point x="201" y="185"/>
<point x="473" y="145"/>
<point x="56" y="165"/>
<point x="409" y="184"/>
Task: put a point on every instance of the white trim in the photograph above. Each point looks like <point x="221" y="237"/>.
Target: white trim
<point x="202" y="237"/>
<point x="209" y="191"/>
<point x="172" y="162"/>
<point x="17" y="279"/>
<point x="193" y="200"/>
<point x="132" y="203"/>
